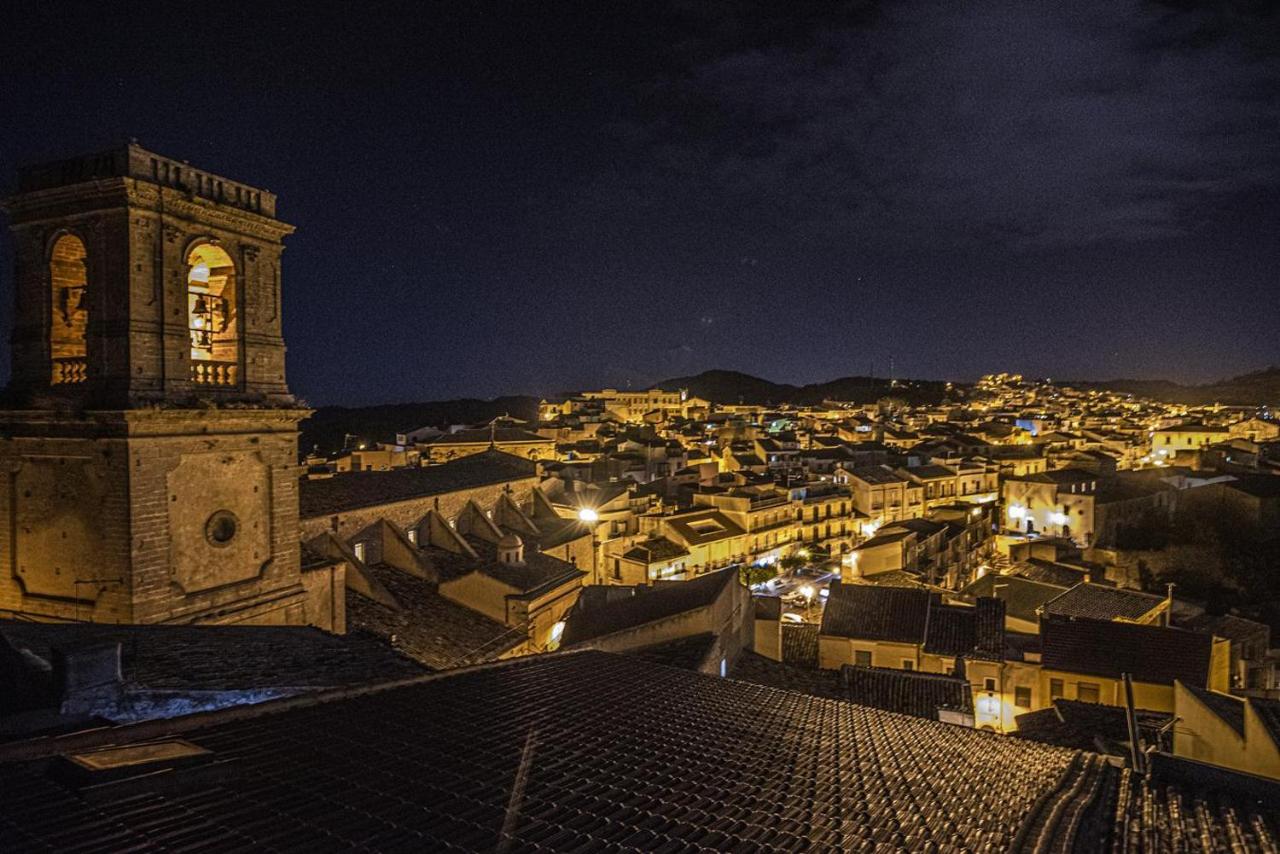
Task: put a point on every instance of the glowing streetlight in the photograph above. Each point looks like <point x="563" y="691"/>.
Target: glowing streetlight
<point x="586" y="514"/>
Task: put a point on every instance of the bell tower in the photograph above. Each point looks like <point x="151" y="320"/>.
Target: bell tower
<point x="148" y="442"/>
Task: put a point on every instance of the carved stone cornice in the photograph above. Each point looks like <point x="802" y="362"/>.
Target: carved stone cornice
<point x="196" y="209"/>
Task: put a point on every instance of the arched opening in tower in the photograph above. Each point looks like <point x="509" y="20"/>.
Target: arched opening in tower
<point x="68" y="278"/>
<point x="211" y="316"/>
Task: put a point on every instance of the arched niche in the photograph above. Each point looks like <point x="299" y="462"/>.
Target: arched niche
<point x="212" y="316"/>
<point x="68" y="282"/>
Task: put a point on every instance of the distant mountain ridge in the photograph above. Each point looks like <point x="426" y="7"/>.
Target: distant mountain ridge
<point x="730" y="387"/>
<point x="1253" y="389"/>
<point x="329" y="425"/>
<point x="1257" y="388"/>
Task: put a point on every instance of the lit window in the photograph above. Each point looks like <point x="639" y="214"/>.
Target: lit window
<point x="358" y="548"/>
<point x="1022" y="697"/>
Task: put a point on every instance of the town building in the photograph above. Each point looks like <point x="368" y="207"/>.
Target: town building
<point x="151" y="442"/>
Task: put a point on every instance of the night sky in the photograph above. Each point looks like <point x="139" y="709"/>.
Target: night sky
<point x="529" y="197"/>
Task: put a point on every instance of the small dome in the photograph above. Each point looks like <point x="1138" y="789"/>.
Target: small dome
<point x="510" y="541"/>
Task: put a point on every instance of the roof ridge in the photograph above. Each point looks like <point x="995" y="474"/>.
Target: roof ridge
<point x="45" y="746"/>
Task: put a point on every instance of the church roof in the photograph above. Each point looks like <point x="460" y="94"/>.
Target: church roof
<point x="354" y="490"/>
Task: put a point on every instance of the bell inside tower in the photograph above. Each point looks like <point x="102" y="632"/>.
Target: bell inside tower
<point x="211" y="316"/>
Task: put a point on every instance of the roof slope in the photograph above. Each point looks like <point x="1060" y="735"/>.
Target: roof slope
<point x="1098" y="602"/>
<point x="211" y="658"/>
<point x="867" y="612"/>
<point x="352" y="490"/>
<point x="428" y="627"/>
<point x="602" y="611"/>
<point x="907" y="692"/>
<point x="1152" y="654"/>
<point x="518" y="746"/>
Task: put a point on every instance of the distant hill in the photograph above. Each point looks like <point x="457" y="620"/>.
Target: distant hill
<point x="734" y="387"/>
<point x="327" y="427"/>
<point x="1254" y="389"/>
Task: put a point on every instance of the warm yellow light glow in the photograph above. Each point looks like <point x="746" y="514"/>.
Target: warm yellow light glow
<point x="807" y="591"/>
<point x="586" y="514"/>
<point x="1017" y="511"/>
<point x="804" y="553"/>
<point x="1058" y="518"/>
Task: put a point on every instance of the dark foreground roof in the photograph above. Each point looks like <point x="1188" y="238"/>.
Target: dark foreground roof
<point x="907" y="692"/>
<point x="218" y="658"/>
<point x="575" y="752"/>
<point x="352" y="490"/>
<point x="585" y="752"/>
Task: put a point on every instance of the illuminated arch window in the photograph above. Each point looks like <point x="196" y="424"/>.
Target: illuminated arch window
<point x="211" y="316"/>
<point x="70" y="316"/>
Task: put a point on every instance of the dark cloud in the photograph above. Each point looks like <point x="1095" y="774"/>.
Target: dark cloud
<point x="494" y="198"/>
<point x="1020" y="123"/>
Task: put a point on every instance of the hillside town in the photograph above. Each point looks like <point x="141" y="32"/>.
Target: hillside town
<point x="1025" y="615"/>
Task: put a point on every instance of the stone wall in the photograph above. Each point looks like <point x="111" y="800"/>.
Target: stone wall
<point x="111" y="516"/>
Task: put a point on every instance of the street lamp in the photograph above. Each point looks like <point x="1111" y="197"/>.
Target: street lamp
<point x="807" y="593"/>
<point x="586" y="514"/>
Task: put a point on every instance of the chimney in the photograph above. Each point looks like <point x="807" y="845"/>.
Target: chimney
<point x="83" y="675"/>
<point x="511" y="549"/>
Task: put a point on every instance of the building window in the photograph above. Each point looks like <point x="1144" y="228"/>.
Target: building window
<point x="989" y="684"/>
<point x="70" y="316"/>
<point x="908" y="664"/>
<point x="358" y="548"/>
<point x="1087" y="692"/>
<point x="413" y="535"/>
<point x="862" y="658"/>
<point x="1055" y="689"/>
<point x="1022" y="697"/>
<point x="617" y="568"/>
<point x="212" y="315"/>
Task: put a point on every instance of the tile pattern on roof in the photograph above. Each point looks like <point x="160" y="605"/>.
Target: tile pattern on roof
<point x="209" y="658"/>
<point x="353" y="490"/>
<point x="800" y="644"/>
<point x="430" y="628"/>
<point x="650" y="758"/>
<point x="602" y="611"/>
<point x="906" y="692"/>
<point x="867" y="612"/>
<point x="1098" y="602"/>
<point x="1152" y="654"/>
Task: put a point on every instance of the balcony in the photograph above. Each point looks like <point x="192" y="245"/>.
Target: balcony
<point x="218" y="374"/>
<point x="67" y="371"/>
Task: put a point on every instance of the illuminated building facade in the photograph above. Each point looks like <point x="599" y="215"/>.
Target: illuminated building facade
<point x="150" y="458"/>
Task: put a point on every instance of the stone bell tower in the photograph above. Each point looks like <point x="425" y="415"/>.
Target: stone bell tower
<point x="148" y="442"/>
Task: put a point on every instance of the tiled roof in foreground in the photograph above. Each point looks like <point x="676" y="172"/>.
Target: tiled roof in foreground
<point x="584" y="751"/>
